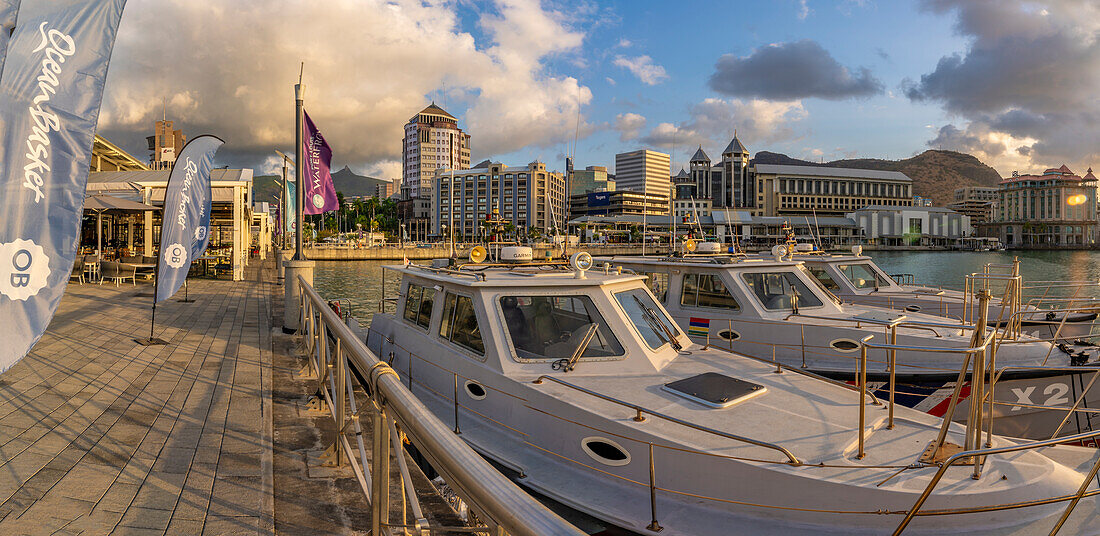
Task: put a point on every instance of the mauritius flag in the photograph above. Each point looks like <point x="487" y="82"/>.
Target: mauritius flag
<point x="698" y="327"/>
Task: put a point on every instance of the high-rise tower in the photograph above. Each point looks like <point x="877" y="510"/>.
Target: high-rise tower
<point x="432" y="141"/>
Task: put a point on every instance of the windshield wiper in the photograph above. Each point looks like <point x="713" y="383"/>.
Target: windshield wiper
<point x="651" y="319"/>
<point x="567" y="365"/>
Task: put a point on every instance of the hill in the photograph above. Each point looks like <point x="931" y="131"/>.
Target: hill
<point x="346" y="181"/>
<point x="935" y="173"/>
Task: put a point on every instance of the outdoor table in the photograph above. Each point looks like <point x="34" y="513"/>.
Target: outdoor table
<point x="146" y="269"/>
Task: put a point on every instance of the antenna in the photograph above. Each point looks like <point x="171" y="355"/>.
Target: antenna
<point x="164" y="109"/>
<point x="301" y="70"/>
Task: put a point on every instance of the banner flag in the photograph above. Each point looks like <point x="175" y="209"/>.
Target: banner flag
<point x="202" y="230"/>
<point x="8" y="10"/>
<point x="50" y="93"/>
<point x="320" y="194"/>
<point x="188" y="185"/>
<point x="291" y="208"/>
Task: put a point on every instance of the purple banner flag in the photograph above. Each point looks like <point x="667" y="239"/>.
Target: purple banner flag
<point x="320" y="194"/>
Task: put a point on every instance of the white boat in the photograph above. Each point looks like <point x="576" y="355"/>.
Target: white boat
<point x="857" y="279"/>
<point x="773" y="309"/>
<point x="585" y="387"/>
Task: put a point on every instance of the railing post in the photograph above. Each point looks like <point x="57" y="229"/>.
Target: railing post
<point x="340" y="400"/>
<point x="893" y="372"/>
<point x="653" y="524"/>
<point x="862" y="397"/>
<point x="380" y="469"/>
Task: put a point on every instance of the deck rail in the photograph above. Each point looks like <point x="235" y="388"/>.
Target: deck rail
<point x="344" y="368"/>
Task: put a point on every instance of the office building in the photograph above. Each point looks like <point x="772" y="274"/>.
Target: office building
<point x="591" y="179"/>
<point x="1056" y="208"/>
<point x="787" y="190"/>
<point x="432" y="141"/>
<point x="527" y="197"/>
<point x="617" y="203"/>
<point x="642" y="171"/>
<point x="976" y="202"/>
<point x="164" y="145"/>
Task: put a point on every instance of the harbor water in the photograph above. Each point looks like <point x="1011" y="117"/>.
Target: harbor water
<point x="360" y="283"/>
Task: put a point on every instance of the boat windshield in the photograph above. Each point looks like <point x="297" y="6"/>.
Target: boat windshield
<point x="774" y="290"/>
<point x="863" y="275"/>
<point x="552" y="327"/>
<point x="651" y="322"/>
<point x="823" y="277"/>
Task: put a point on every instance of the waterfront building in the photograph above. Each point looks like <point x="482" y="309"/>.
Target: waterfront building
<point x="618" y="203"/>
<point x="527" y="197"/>
<point x="164" y="145"/>
<point x="590" y="179"/>
<point x="642" y="171"/>
<point x="789" y="190"/>
<point x="976" y="202"/>
<point x="911" y="226"/>
<point x="1054" y="209"/>
<point x="728" y="226"/>
<point x="231" y="216"/>
<point x="107" y="156"/>
<point x="727" y="183"/>
<point x="432" y="141"/>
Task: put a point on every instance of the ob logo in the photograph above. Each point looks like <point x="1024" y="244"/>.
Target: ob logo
<point x="200" y="232"/>
<point x="175" y="256"/>
<point x="24" y="268"/>
<point x="318" y="200"/>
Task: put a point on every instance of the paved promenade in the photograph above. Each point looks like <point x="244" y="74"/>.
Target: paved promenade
<point x="99" y="435"/>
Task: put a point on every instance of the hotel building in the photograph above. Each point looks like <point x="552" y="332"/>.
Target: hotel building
<point x="591" y="179"/>
<point x="1057" y="208"/>
<point x="432" y="141"/>
<point x="527" y="197"/>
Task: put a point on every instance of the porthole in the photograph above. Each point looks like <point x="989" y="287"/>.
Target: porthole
<point x="844" y="345"/>
<point x="729" y="335"/>
<point x="605" y="451"/>
<point x="475" y="390"/>
<point x="912" y="308"/>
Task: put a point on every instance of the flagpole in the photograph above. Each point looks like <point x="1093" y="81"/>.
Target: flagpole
<point x="299" y="97"/>
<point x="154" y="341"/>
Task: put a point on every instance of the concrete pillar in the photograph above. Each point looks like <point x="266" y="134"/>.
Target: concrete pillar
<point x="147" y="239"/>
<point x="291" y="291"/>
<point x="283" y="256"/>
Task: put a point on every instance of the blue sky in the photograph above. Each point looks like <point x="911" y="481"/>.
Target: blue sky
<point x="1010" y="81"/>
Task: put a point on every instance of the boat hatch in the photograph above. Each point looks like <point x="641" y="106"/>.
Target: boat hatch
<point x="880" y="317"/>
<point x="715" y="390"/>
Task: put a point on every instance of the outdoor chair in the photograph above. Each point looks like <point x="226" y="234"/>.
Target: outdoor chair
<point x="118" y="273"/>
<point x="91" y="267"/>
<point x="131" y="259"/>
<point x="78" y="269"/>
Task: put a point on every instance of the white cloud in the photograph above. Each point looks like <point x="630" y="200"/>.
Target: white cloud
<point x="609" y="80"/>
<point x="712" y="122"/>
<point x="643" y="67"/>
<point x="624" y="43"/>
<point x="803" y="10"/>
<point x="629" y="125"/>
<point x="228" y="68"/>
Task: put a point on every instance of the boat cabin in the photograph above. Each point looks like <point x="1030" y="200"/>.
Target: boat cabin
<point x="525" y="319"/>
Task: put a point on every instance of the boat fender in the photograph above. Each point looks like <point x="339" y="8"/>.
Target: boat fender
<point x="335" y="306"/>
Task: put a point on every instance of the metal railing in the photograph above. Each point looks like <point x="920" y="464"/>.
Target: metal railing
<point x="340" y="363"/>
